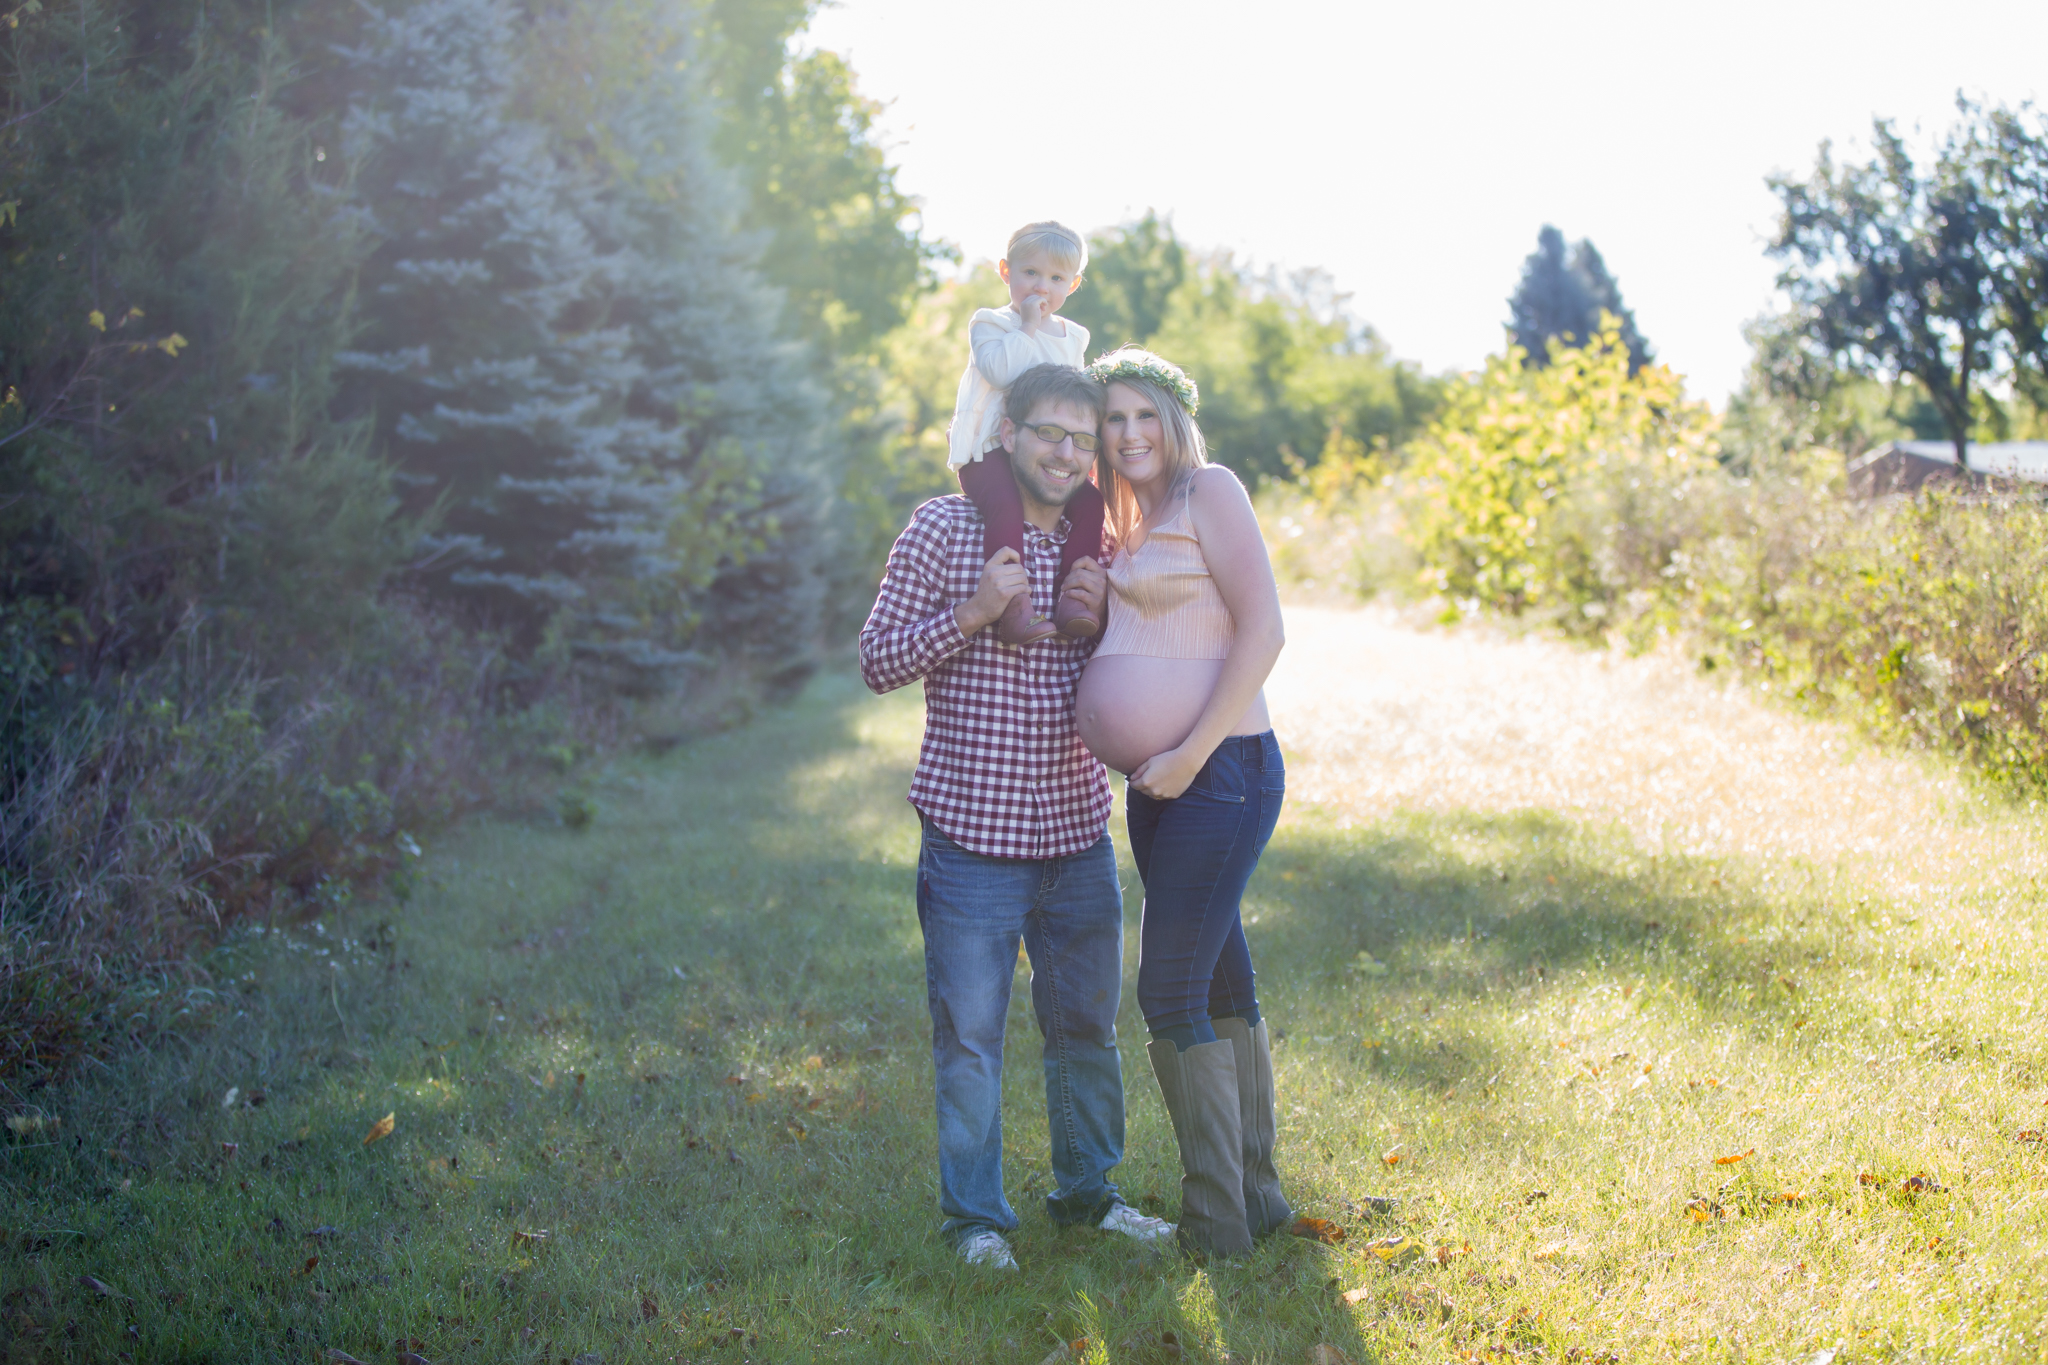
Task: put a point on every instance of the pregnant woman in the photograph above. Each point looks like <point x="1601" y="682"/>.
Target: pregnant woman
<point x="1173" y="699"/>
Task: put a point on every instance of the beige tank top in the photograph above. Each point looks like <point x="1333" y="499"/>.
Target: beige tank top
<point x="1163" y="601"/>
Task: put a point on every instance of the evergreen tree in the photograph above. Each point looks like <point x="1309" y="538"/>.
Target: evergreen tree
<point x="1562" y="294"/>
<point x="570" y="356"/>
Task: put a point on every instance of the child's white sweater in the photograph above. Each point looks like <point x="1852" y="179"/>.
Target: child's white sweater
<point x="1002" y="353"/>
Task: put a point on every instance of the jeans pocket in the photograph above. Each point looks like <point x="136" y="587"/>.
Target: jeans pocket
<point x="1221" y="779"/>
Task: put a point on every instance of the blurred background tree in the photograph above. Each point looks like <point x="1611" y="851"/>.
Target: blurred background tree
<point x="1563" y="295"/>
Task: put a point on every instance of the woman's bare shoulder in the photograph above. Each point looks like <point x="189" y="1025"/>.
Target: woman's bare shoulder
<point x="1214" y="488"/>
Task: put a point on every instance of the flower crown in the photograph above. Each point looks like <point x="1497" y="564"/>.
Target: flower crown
<point x="1132" y="363"/>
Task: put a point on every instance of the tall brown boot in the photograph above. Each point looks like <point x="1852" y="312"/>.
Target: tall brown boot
<point x="1265" y="1208"/>
<point x="1200" y="1087"/>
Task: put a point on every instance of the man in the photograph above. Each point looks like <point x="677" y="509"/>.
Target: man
<point x="1016" y="840"/>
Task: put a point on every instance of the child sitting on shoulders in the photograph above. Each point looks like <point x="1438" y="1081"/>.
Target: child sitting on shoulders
<point x="1042" y="266"/>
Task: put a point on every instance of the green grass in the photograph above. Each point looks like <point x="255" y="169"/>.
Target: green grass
<point x="688" y="1044"/>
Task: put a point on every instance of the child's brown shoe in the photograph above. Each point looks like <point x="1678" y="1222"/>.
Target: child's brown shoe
<point x="1075" y="619"/>
<point x="1020" y="625"/>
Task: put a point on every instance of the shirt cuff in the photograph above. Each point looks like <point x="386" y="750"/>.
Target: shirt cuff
<point x="943" y="634"/>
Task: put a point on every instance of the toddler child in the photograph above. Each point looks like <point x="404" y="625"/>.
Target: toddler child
<point x="1042" y="266"/>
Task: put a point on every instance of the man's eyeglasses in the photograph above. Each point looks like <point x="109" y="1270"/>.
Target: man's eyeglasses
<point x="1052" y="436"/>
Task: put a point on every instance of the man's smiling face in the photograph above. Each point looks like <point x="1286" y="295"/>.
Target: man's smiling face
<point x="1049" y="473"/>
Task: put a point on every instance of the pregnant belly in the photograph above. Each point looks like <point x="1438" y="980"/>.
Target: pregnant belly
<point x="1130" y="707"/>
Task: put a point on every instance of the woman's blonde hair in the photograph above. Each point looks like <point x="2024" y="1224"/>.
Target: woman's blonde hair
<point x="1068" y="248"/>
<point x="1161" y="383"/>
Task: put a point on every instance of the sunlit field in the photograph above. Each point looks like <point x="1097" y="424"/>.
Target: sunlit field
<point x="1760" y="1078"/>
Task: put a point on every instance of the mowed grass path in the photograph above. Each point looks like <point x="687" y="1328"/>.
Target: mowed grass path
<point x="661" y="1087"/>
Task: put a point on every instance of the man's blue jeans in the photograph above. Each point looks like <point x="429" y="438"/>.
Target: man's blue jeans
<point x="1069" y="914"/>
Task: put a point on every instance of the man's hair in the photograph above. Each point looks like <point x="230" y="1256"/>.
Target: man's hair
<point x="1051" y="383"/>
<point x="1068" y="248"/>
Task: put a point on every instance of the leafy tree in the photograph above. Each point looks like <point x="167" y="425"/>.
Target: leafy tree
<point x="2006" y="152"/>
<point x="1564" y="295"/>
<point x="1516" y="447"/>
<point x="842" y="240"/>
<point x="1133" y="273"/>
<point x="1892" y="272"/>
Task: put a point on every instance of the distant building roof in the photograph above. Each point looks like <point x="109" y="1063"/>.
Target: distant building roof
<point x="1903" y="466"/>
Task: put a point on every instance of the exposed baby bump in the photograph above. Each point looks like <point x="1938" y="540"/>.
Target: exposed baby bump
<point x="1130" y="707"/>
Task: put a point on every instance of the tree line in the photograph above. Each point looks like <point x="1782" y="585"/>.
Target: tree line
<point x="389" y="393"/>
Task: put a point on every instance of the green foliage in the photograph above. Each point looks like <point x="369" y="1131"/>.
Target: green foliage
<point x="1933" y="273"/>
<point x="1566" y="298"/>
<point x="1133" y="273"/>
<point x="1533" y="484"/>
<point x="841" y="241"/>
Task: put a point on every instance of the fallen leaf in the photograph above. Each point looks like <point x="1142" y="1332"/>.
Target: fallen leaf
<point x="529" y="1239"/>
<point x="1318" y="1230"/>
<point x="1550" y="1251"/>
<point x="1424" y="1299"/>
<point x="307" y="1268"/>
<point x="2028" y="1135"/>
<point x="813" y="1062"/>
<point x="1322" y="1354"/>
<point x="649" y="1309"/>
<point x="1067" y="1352"/>
<point x="1873" y="1181"/>
<point x="1923" y="1184"/>
<point x="1789" y="1197"/>
<point x="1353" y="1297"/>
<point x="1392" y="1248"/>
<point x="227" y="1101"/>
<point x="1392" y="1158"/>
<point x="228" y="1150"/>
<point x="101" y="1287"/>
<point x="381" y="1129"/>
<point x="1731" y="1160"/>
<point x="1535" y="1195"/>
<point x="1704" y="1210"/>
<point x="1446" y="1253"/>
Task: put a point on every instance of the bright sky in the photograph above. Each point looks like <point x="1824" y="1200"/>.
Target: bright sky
<point x="1414" y="149"/>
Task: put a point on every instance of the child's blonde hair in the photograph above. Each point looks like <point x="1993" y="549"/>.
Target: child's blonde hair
<point x="1068" y="248"/>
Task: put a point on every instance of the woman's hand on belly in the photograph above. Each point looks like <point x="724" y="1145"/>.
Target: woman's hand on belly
<point x="1164" y="777"/>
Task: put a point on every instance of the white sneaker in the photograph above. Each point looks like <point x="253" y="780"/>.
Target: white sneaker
<point x="1136" y="1226"/>
<point x="989" y="1249"/>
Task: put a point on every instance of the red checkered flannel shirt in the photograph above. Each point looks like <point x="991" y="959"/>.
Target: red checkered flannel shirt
<point x="1003" y="772"/>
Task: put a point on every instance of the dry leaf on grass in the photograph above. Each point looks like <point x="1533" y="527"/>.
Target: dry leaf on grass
<point x="1392" y="1158"/>
<point x="1550" y="1251"/>
<point x="381" y="1129"/>
<point x="1445" y="1253"/>
<point x="1731" y="1160"/>
<point x="1354" y="1297"/>
<point x="1390" y="1249"/>
<point x="1789" y="1197"/>
<point x="1425" y="1299"/>
<point x="2027" y="1135"/>
<point x="100" y="1287"/>
<point x="1875" y="1182"/>
<point x="1923" y="1184"/>
<point x="1067" y="1352"/>
<point x="1319" y="1230"/>
<point x="1704" y="1210"/>
<point x="307" y="1268"/>
<point x="1323" y="1354"/>
<point x="530" y="1239"/>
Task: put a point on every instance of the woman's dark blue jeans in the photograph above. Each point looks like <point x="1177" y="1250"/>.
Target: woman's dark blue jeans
<point x="1195" y="854"/>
